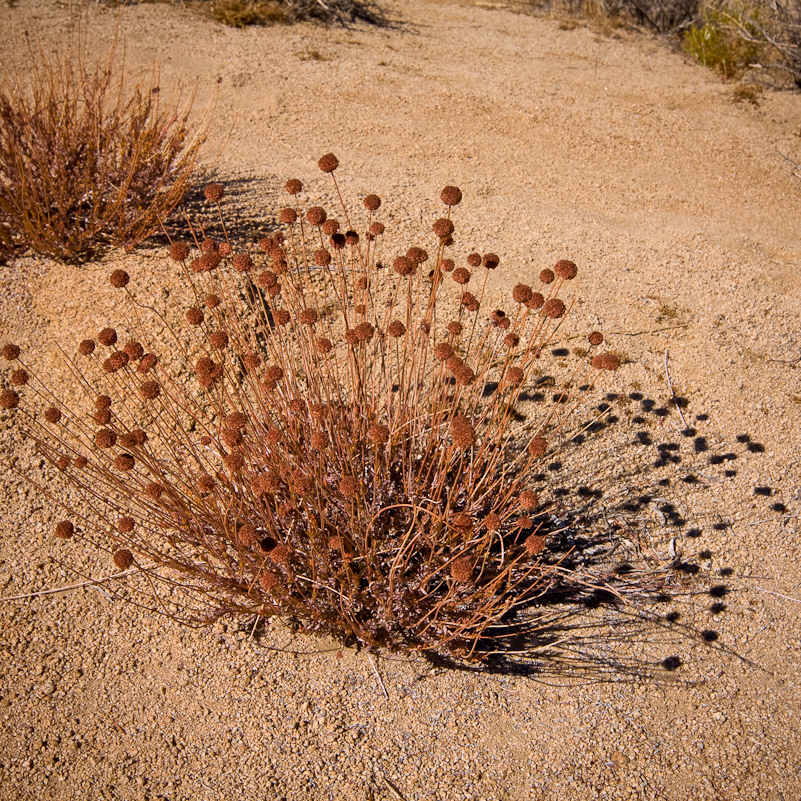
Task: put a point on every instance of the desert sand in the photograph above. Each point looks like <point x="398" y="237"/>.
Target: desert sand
<point x="609" y="148"/>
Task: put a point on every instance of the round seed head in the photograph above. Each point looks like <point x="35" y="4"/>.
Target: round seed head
<point x="338" y="241"/>
<point x="462" y="432"/>
<point x="565" y="269"/>
<point x="153" y="491"/>
<point x="534" y="544"/>
<point x="349" y="486"/>
<point x="537" y="447"/>
<point x="377" y="228"/>
<point x="461" y="570"/>
<point x="266" y="484"/>
<point x="179" y="251"/>
<point x="511" y="341"/>
<point x="443" y="228"/>
<point x="396" y="329"/>
<point x="147" y="363"/>
<point x="454" y="363"/>
<point x="194" y="316"/>
<point x="134" y="350"/>
<point x="330" y="227"/>
<point x="248" y="535"/>
<point x="231" y="437"/>
<point x="308" y="316"/>
<point x="298" y="407"/>
<point x="547" y="276"/>
<point x="378" y="434"/>
<point x="102" y="417"/>
<point x="64" y="530"/>
<point x="521" y="293"/>
<point x="80" y="462"/>
<point x="461" y="275"/>
<point x="364" y="332"/>
<point x="323" y="345"/>
<point x="208" y="246"/>
<point x="301" y="482"/>
<point x="281" y="317"/>
<point x="214" y="193"/>
<point x="10" y="351"/>
<point x="372" y="202"/>
<point x="87" y="347"/>
<point x="537" y="301"/>
<point x="251" y="361"/>
<point x="125" y="462"/>
<point x="417" y="255"/>
<point x="280" y="555"/>
<point x="125" y="524"/>
<point x="462" y="521"/>
<point x="123" y="558"/>
<point x="492" y="522"/>
<point x="316" y="215"/>
<point x="243" y="263"/>
<point x="606" y="361"/>
<point x="52" y="415"/>
<point x="19" y="377"/>
<point x="351" y="237"/>
<point x="119" y="278"/>
<point x="443" y="351"/>
<point x="272" y="437"/>
<point x="554" y="308"/>
<point x="218" y="340"/>
<point x="63" y="462"/>
<point x="268" y="581"/>
<point x="470" y="302"/>
<point x="319" y="440"/>
<point x="403" y="265"/>
<point x="529" y="500"/>
<point x="322" y="257"/>
<point x="234" y="461"/>
<point x="474" y="259"/>
<point x="108" y="337"/>
<point x="490" y="260"/>
<point x="210" y="261"/>
<point x="464" y="375"/>
<point x="451" y="196"/>
<point x="116" y="361"/>
<point x="150" y="390"/>
<point x="454" y="328"/>
<point x="102" y="402"/>
<point x="448" y="265"/>
<point x="293" y="186"/>
<point x="328" y="163"/>
<point x="206" y="483"/>
<point x="288" y="215"/>
<point x="595" y="338"/>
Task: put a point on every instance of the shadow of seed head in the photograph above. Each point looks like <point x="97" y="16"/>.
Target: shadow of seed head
<point x="123" y="558"/>
<point x="451" y="196"/>
<point x="328" y="162"/>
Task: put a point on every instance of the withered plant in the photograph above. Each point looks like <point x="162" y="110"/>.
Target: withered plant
<point x="348" y="442"/>
<point x="89" y="160"/>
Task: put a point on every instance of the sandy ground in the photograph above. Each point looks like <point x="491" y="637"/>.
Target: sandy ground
<point x="612" y="150"/>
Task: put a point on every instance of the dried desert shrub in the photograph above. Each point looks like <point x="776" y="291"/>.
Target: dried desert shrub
<point x="88" y="160"/>
<point x="342" y="438"/>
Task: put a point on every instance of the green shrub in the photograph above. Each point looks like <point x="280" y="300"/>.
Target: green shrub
<point x="716" y="44"/>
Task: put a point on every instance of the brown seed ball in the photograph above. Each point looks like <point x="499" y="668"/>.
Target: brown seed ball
<point x="153" y="491"/>
<point x="87" y="347"/>
<point x="462" y="432"/>
<point x="360" y="309"/>
<point x="266" y="483"/>
<point x="554" y="308"/>
<point x="537" y="447"/>
<point x="268" y="581"/>
<point x="372" y="202"/>
<point x="195" y="316"/>
<point x="566" y="269"/>
<point x="417" y="255"/>
<point x="150" y="390"/>
<point x="595" y="338"/>
<point x="243" y="263"/>
<point x="123" y="558"/>
<point x="125" y="524"/>
<point x="208" y="246"/>
<point x="537" y="301"/>
<point x="179" y="251"/>
<point x="102" y="402"/>
<point x="534" y="544"/>
<point x="322" y="257"/>
<point x="308" y="316"/>
<point x="490" y="260"/>
<point x="328" y="163"/>
<point x="514" y="377"/>
<point x="293" y="186"/>
<point x="461" y="275"/>
<point x="272" y="437"/>
<point x="134" y="350"/>
<point x="338" y="241"/>
<point x="319" y="440"/>
<point x="443" y="351"/>
<point x="330" y="227"/>
<point x="378" y="433"/>
<point x="102" y="417"/>
<point x="248" y="535"/>
<point x="280" y="555"/>
<point x="443" y="228"/>
<point x="251" y="362"/>
<point x="606" y="361"/>
<point x="237" y="420"/>
<point x="492" y="522"/>
<point x="454" y="328"/>
<point x="403" y="266"/>
<point x="448" y="265"/>
<point x="210" y="261"/>
<point x="273" y="373"/>
<point x="521" y="293"/>
<point x="10" y="351"/>
<point x="266" y="279"/>
<point x="547" y="276"/>
<point x="451" y="196"/>
<point x="148" y="362"/>
<point x="351" y="237"/>
<point x="105" y="438"/>
<point x="125" y="462"/>
<point x="52" y="415"/>
<point x="214" y="193"/>
<point x="364" y="332"/>
<point x="301" y="482"/>
<point x="323" y="345"/>
<point x="454" y="363"/>
<point x="396" y="329"/>
<point x="205" y="440"/>
<point x="461" y="570"/>
<point x="349" y="486"/>
<point x="470" y="302"/>
<point x="119" y="278"/>
<point x="19" y="377"/>
<point x="63" y="462"/>
<point x="377" y="228"/>
<point x="462" y="521"/>
<point x="108" y="337"/>
<point x="80" y="462"/>
<point x="218" y="340"/>
<point x="64" y="530"/>
<point x="288" y="215"/>
<point x="196" y="265"/>
<point x="281" y="317"/>
<point x="316" y="215"/>
<point x="206" y="483"/>
<point x="234" y="461"/>
<point x="529" y="499"/>
<point x="116" y="361"/>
